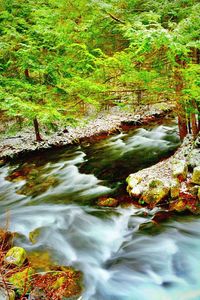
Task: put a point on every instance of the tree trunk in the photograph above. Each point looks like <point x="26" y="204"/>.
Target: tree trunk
<point x="37" y="131"/>
<point x="182" y="119"/>
<point x="139" y="96"/>
<point x="195" y="129"/>
<point x="182" y="125"/>
<point x="189" y="124"/>
<point x="26" y="73"/>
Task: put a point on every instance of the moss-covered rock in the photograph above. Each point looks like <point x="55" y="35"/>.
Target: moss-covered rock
<point x="174" y="188"/>
<point x="34" y="235"/>
<point x="179" y="169"/>
<point x="185" y="202"/>
<point x="64" y="284"/>
<point x="196" y="176"/>
<point x="16" y="256"/>
<point x="179" y="205"/>
<point x="22" y="280"/>
<point x="156" y="193"/>
<point x="193" y="190"/>
<point x="41" y="261"/>
<point x="155" y="183"/>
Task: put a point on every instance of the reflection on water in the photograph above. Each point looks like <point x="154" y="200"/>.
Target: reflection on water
<point x="48" y="197"/>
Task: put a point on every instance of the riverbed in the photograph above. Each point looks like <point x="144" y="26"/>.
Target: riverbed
<point x="50" y="199"/>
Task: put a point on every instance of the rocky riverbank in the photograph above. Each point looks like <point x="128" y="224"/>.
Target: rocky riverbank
<point x="173" y="183"/>
<point x="104" y="124"/>
<point x="22" y="278"/>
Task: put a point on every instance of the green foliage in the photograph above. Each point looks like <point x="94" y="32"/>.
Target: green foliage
<point x="57" y="57"/>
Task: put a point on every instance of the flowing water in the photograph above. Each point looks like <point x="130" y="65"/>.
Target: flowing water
<point x="52" y="196"/>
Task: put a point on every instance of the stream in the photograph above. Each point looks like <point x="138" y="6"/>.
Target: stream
<point x="52" y="197"/>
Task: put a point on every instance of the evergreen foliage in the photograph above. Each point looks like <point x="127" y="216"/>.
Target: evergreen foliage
<point x="58" y="56"/>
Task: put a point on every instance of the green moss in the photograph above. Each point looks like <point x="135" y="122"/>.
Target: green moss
<point x="16" y="256"/>
<point x="22" y="280"/>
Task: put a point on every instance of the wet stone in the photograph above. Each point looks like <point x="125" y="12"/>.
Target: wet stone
<point x="16" y="256"/>
<point x="109" y="202"/>
<point x="196" y="176"/>
<point x="156" y="192"/>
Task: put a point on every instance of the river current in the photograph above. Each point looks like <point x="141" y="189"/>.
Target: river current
<point x="54" y="194"/>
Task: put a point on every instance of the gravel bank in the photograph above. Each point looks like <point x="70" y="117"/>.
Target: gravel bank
<point x="104" y="123"/>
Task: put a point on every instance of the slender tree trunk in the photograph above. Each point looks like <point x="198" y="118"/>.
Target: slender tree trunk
<point x="139" y="96"/>
<point x="182" y="119"/>
<point x="26" y="73"/>
<point x="37" y="131"/>
<point x="195" y="129"/>
<point x="182" y="125"/>
<point x="193" y="117"/>
<point x="189" y="124"/>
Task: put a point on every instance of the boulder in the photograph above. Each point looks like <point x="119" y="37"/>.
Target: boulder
<point x="179" y="169"/>
<point x="194" y="158"/>
<point x="174" y="188"/>
<point x="135" y="187"/>
<point x="156" y="192"/>
<point x="16" y="256"/>
<point x="196" y="175"/>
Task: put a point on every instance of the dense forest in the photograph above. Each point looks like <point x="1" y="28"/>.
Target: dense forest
<point x="60" y="57"/>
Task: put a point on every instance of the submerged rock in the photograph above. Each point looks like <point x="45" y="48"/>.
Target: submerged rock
<point x="110" y="202"/>
<point x="179" y="205"/>
<point x="16" y="256"/>
<point x="196" y="175"/>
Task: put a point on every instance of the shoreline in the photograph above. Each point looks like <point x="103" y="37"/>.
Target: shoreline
<point x="103" y="124"/>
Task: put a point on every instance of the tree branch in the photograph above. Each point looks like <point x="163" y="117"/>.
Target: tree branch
<point x="115" y="18"/>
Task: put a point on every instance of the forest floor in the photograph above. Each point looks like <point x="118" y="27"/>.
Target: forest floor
<point x="106" y="122"/>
